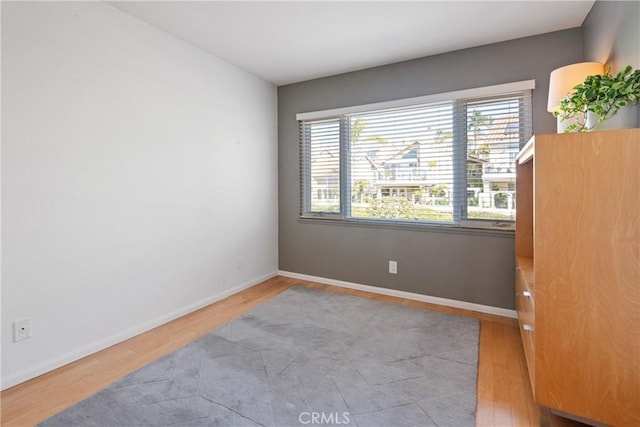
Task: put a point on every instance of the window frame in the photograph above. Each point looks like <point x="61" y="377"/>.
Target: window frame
<point x="459" y="99"/>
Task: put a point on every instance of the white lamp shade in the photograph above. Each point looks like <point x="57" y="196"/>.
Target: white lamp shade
<point x="565" y="78"/>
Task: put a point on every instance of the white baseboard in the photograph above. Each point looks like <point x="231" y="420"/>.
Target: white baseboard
<point x="408" y="295"/>
<point x="72" y="356"/>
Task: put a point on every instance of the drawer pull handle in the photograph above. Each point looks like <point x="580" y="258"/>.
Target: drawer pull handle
<point x="527" y="327"/>
<point x="526" y="293"/>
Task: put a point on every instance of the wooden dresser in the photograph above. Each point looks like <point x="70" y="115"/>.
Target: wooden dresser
<point x="578" y="272"/>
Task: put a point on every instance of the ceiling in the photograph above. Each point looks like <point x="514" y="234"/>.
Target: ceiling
<point x="291" y="41"/>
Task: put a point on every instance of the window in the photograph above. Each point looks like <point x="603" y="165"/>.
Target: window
<point x="323" y="143"/>
<point x="440" y="159"/>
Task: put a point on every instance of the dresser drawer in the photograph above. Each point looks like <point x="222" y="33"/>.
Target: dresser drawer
<point x="526" y="321"/>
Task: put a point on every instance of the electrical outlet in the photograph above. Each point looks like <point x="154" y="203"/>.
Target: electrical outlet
<point x="21" y="330"/>
<point x="239" y="263"/>
<point x="393" y="267"/>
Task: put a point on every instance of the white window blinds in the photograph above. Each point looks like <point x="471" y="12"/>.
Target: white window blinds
<point x="322" y="161"/>
<point x="402" y="164"/>
<point x="448" y="162"/>
<point x="495" y="130"/>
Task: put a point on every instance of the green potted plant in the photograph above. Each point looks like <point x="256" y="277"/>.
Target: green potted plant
<point x="599" y="98"/>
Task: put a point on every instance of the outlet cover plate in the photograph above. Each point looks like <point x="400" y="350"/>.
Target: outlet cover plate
<point x="21" y="330"/>
<point x="393" y="267"/>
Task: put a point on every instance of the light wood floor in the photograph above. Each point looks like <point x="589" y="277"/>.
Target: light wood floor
<point x="504" y="394"/>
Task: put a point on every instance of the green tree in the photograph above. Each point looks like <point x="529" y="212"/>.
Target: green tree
<point x="357" y="126"/>
<point x="501" y="200"/>
<point x="359" y="190"/>
<point x="476" y="126"/>
<point x="441" y="136"/>
<point x="378" y="139"/>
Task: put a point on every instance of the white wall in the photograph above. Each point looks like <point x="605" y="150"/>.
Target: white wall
<point x="135" y="170"/>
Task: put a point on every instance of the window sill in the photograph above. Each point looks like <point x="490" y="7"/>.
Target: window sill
<point x="482" y="228"/>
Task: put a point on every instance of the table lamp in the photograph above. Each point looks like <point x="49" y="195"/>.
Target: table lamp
<point x="562" y="82"/>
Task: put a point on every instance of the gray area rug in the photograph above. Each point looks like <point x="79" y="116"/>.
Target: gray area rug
<point x="305" y="357"/>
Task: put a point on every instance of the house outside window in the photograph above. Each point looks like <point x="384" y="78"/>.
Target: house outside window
<point x="448" y="161"/>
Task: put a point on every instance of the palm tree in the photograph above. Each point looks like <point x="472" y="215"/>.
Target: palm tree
<point x="477" y="121"/>
<point x="357" y="126"/>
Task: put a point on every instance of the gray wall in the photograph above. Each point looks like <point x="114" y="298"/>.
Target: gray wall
<point x="467" y="266"/>
<point x="611" y="34"/>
